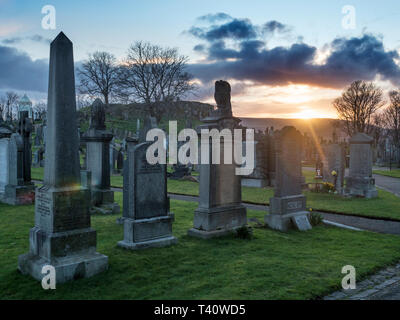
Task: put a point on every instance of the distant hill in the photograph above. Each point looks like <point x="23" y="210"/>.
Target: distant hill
<point x="322" y="127"/>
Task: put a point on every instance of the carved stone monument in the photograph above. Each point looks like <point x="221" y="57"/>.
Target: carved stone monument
<point x="62" y="236"/>
<point x="97" y="141"/>
<point x="146" y="216"/>
<point x="360" y="181"/>
<point x="220" y="208"/>
<point x="288" y="206"/>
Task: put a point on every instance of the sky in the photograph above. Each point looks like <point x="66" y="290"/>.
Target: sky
<point x="284" y="59"/>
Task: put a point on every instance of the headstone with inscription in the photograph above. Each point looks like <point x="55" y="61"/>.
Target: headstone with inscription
<point x="360" y="181"/>
<point x="288" y="206"/>
<point x="147" y="219"/>
<point x="220" y="208"/>
<point x="62" y="236"/>
<point x="97" y="141"/>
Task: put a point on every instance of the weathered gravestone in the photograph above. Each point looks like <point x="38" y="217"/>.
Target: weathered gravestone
<point x="146" y="217"/>
<point x="288" y="206"/>
<point x="62" y="236"/>
<point x="97" y="141"/>
<point x="220" y="210"/>
<point x="360" y="182"/>
<point x="5" y="135"/>
<point x="259" y="177"/>
<point x="19" y="190"/>
<point x="333" y="165"/>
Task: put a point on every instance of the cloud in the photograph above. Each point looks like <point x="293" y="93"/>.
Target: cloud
<point x="237" y="50"/>
<point x="238" y="29"/>
<point x="34" y="38"/>
<point x="20" y="72"/>
<point x="220" y="16"/>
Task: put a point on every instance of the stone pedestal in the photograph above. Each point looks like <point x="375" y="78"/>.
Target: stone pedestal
<point x="285" y="210"/>
<point x="220" y="210"/>
<point x="62" y="236"/>
<point x="147" y="233"/>
<point x="360" y="183"/>
<point x="98" y="162"/>
<point x="18" y="195"/>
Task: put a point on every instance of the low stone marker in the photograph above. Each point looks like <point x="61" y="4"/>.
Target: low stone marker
<point x="288" y="206"/>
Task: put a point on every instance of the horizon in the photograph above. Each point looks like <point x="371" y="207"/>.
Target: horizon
<point x="281" y="64"/>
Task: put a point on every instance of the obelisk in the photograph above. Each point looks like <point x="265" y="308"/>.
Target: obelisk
<point x="62" y="236"/>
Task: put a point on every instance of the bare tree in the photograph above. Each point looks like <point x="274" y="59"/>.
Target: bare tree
<point x="11" y="100"/>
<point x="40" y="109"/>
<point x="152" y="74"/>
<point x="392" y="119"/>
<point x="358" y="103"/>
<point x="98" y="75"/>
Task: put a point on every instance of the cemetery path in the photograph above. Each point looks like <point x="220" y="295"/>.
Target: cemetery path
<point x="384" y="285"/>
<point x="388" y="183"/>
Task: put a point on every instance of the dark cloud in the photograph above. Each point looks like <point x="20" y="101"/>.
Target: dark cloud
<point x="35" y="38"/>
<point x="220" y="16"/>
<point x="275" y="26"/>
<point x="20" y="72"/>
<point x="238" y="29"/>
<point x="248" y="58"/>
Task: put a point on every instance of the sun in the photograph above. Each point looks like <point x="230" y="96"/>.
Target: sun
<point x="306" y="114"/>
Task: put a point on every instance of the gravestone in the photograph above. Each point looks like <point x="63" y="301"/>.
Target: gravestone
<point x="333" y="165"/>
<point x="113" y="158"/>
<point x="5" y="135"/>
<point x="288" y="206"/>
<point x="146" y="217"/>
<point x="149" y="123"/>
<point x="62" y="236"/>
<point x="259" y="177"/>
<point x="97" y="141"/>
<point x="360" y="181"/>
<point x="220" y="208"/>
<point x="19" y="189"/>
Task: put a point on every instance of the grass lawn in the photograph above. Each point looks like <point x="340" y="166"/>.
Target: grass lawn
<point x="395" y="173"/>
<point x="272" y="265"/>
<point x="386" y="205"/>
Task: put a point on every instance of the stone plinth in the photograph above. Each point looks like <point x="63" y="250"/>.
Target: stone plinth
<point x="220" y="210"/>
<point x="360" y="181"/>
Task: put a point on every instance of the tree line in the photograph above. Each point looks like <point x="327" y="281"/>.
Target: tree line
<point x="148" y="74"/>
<point x="363" y="108"/>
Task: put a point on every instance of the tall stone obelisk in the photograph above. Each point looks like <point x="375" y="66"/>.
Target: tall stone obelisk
<point x="62" y="236"/>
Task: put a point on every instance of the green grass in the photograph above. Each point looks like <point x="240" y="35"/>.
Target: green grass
<point x="395" y="173"/>
<point x="386" y="205"/>
<point x="272" y="265"/>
